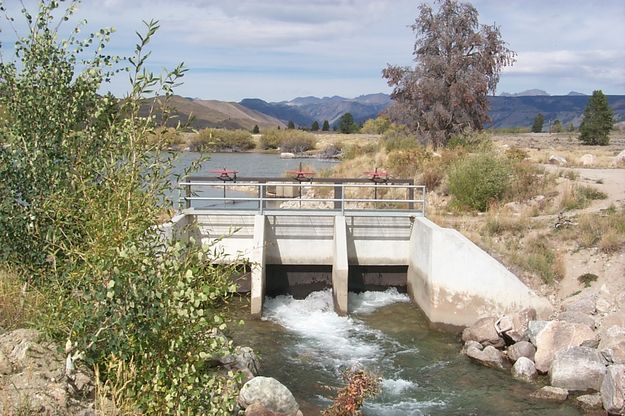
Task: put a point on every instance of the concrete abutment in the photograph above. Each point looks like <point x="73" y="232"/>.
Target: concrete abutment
<point x="451" y="279"/>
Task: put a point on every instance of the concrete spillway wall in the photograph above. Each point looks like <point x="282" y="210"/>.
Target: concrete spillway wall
<point x="456" y="282"/>
<point x="450" y="278"/>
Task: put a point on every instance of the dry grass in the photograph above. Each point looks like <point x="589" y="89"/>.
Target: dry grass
<point x="578" y="197"/>
<point x="18" y="304"/>
<point x="605" y="230"/>
<point x="497" y="223"/>
<point x="538" y="257"/>
<point x="111" y="398"/>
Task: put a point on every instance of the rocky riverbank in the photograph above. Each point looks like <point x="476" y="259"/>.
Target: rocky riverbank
<point x="580" y="352"/>
<point x="36" y="377"/>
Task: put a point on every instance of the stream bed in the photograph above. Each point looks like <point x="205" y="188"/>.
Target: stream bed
<point x="306" y="346"/>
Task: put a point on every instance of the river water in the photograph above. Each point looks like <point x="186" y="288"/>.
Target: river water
<point x="305" y="345"/>
<point x="247" y="164"/>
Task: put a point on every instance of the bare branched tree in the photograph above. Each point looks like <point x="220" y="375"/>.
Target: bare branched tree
<point x="457" y="63"/>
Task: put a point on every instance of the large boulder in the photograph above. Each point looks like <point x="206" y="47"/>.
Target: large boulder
<point x="587" y="160"/>
<point x="612" y="345"/>
<point x="613" y="319"/>
<point x="589" y="401"/>
<point x="613" y="390"/>
<point x="34" y="372"/>
<point x="514" y="327"/>
<point x="533" y="328"/>
<point x="577" y="368"/>
<point x="577" y="317"/>
<point x="521" y="349"/>
<point x="556" y="394"/>
<point x="557" y="336"/>
<point x="485" y="332"/>
<point x="489" y="357"/>
<point x="618" y="159"/>
<point x="586" y="304"/>
<point x="270" y="393"/>
<point x="557" y="160"/>
<point x="524" y="369"/>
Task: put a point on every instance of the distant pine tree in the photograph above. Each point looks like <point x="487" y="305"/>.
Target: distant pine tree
<point x="326" y="126"/>
<point x="255" y="130"/>
<point x="598" y="121"/>
<point x="314" y="126"/>
<point x="539" y="120"/>
<point x="291" y="125"/>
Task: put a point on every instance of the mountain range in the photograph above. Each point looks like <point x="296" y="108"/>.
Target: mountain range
<point x="506" y="110"/>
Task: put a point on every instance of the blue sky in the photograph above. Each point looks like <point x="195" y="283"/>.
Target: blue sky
<point x="277" y="50"/>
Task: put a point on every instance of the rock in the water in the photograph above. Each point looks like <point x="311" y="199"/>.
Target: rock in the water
<point x="524" y="369"/>
<point x="613" y="390"/>
<point x="244" y="360"/>
<point x="471" y="344"/>
<point x="577" y="368"/>
<point x="557" y="336"/>
<point x="551" y="393"/>
<point x="520" y="324"/>
<point x="484" y="332"/>
<point x="521" y="349"/>
<point x="557" y="160"/>
<point x="533" y="328"/>
<point x="588" y="159"/>
<point x="270" y="393"/>
<point x="489" y="357"/>
<point x="586" y="304"/>
<point x="577" y="317"/>
<point x="589" y="401"/>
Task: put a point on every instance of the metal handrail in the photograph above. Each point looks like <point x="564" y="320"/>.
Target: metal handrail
<point x="415" y="206"/>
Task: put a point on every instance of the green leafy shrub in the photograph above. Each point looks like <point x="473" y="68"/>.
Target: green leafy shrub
<point x="295" y="141"/>
<point x="399" y="138"/>
<point x="479" y="180"/>
<point x="473" y="141"/>
<point x="351" y="151"/>
<point x="406" y="163"/>
<point x="538" y="257"/>
<point x="587" y="278"/>
<point x="80" y="198"/>
<point x="222" y="140"/>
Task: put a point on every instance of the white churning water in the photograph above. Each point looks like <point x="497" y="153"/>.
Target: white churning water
<point x="336" y="342"/>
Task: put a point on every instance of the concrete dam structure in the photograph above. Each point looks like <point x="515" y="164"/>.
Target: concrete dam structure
<point x="358" y="236"/>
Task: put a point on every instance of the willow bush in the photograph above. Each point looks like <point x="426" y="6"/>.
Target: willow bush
<point x="82" y="181"/>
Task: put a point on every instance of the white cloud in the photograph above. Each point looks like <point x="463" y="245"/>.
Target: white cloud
<point x="273" y="48"/>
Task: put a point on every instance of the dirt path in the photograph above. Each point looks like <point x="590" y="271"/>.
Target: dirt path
<point x="610" y="181"/>
<point x="610" y="269"/>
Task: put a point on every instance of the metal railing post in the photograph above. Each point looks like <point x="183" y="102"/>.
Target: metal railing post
<point x="424" y="201"/>
<point x="187" y="194"/>
<point x="261" y="191"/>
<point x="343" y="199"/>
<point x="410" y="197"/>
<point x="338" y="194"/>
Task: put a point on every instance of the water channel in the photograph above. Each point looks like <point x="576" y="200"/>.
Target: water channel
<point x="305" y="345"/>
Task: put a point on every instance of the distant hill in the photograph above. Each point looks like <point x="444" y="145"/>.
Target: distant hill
<point x="527" y="93"/>
<point x="505" y="111"/>
<point x="219" y="114"/>
<point x="304" y="110"/>
<point x="520" y="111"/>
